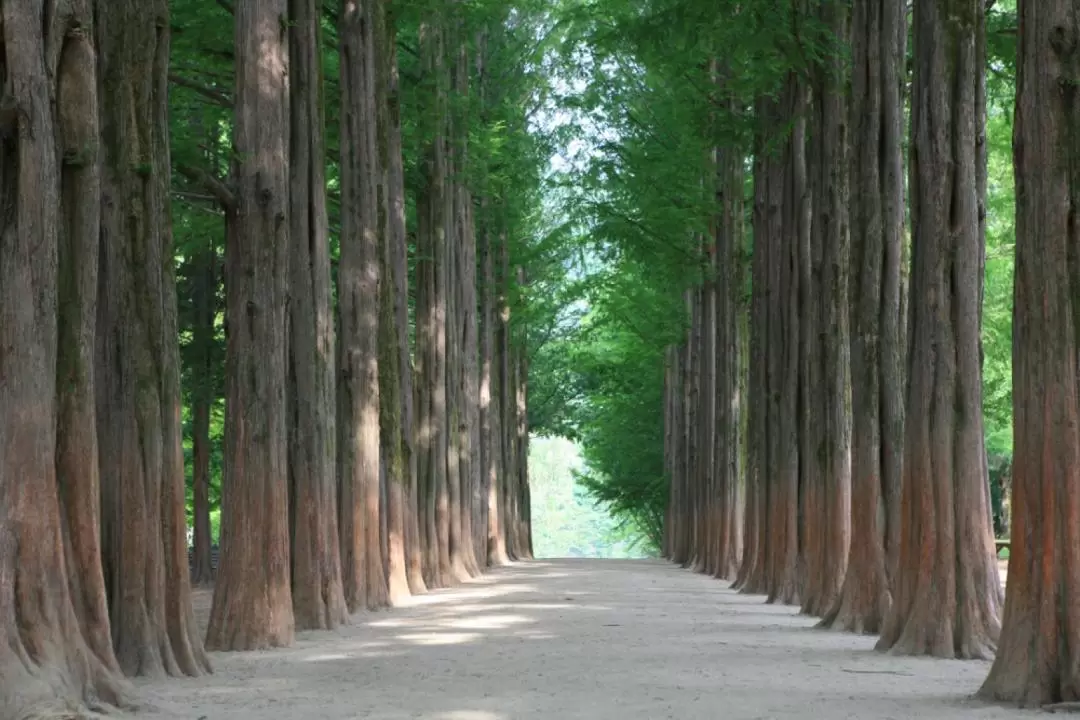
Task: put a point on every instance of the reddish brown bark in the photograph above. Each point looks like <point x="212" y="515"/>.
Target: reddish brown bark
<point x="393" y="363"/>
<point x="252" y="605"/>
<point x="877" y="232"/>
<point x="789" y="200"/>
<point x="1038" y="658"/>
<point x="490" y="419"/>
<point x="827" y="434"/>
<point x="55" y="653"/>
<point x="751" y="578"/>
<point x="138" y="357"/>
<point x="317" y="590"/>
<point x="358" y="302"/>
<point x="947" y="596"/>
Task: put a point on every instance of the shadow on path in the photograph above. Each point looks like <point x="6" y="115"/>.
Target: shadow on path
<point x="576" y="639"/>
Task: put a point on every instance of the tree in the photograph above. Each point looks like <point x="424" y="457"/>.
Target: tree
<point x="252" y="605"/>
<point x="138" y="356"/>
<point x="359" y="462"/>
<point x="203" y="394"/>
<point x="946" y="596"/>
<point x="877" y="233"/>
<point x="431" y="273"/>
<point x="825" y="453"/>
<point x="394" y="357"/>
<point x="56" y="656"/>
<point x="1036" y="663"/>
<point x="318" y="593"/>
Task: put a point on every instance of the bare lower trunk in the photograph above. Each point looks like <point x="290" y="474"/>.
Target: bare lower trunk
<point x="358" y="303"/>
<point x="138" y="356"/>
<point x="318" y="594"/>
<point x="947" y="595"/>
<point x="203" y="397"/>
<point x="1038" y="658"/>
<point x="829" y="528"/>
<point x="252" y="605"/>
<point x="393" y="363"/>
<point x="55" y="654"/>
<point x="877" y="230"/>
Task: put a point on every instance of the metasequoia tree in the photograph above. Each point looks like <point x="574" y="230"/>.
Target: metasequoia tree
<point x="788" y="198"/>
<point x="730" y="358"/>
<point x="318" y="594"/>
<point x="137" y="354"/>
<point x="394" y="358"/>
<point x="203" y="394"/>
<point x="491" y="458"/>
<point x="56" y="657"/>
<point x="946" y="593"/>
<point x="1038" y="658"/>
<point x="252" y="605"/>
<point x="358" y="310"/>
<point x="877" y="232"/>
<point x="466" y="427"/>
<point x="825" y="452"/>
<point x="766" y="170"/>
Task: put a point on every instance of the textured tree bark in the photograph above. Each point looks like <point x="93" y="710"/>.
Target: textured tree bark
<point x="507" y="399"/>
<point x="521" y="422"/>
<point x="318" y="593"/>
<point x="751" y="578"/>
<point x="466" y="328"/>
<point x="789" y="209"/>
<point x="879" y="35"/>
<point x="829" y="527"/>
<point x="358" y="306"/>
<point x="431" y="271"/>
<point x="728" y="409"/>
<point x="393" y="363"/>
<point x="1038" y="658"/>
<point x="138" y="356"/>
<point x="203" y="395"/>
<point x="947" y="595"/>
<point x="490" y="392"/>
<point x="457" y="467"/>
<point x="252" y="605"/>
<point x="56" y="657"/>
<point x="395" y="178"/>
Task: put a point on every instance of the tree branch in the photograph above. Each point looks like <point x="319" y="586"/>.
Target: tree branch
<point x="216" y="96"/>
<point x="220" y="190"/>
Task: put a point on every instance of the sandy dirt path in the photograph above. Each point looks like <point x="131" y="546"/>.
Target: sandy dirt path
<point x="577" y="639"/>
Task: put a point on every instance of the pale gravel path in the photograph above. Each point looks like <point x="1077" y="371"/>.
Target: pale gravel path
<point x="578" y="639"/>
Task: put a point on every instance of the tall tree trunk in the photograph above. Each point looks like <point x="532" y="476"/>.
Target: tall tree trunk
<point x="505" y="410"/>
<point x="252" y="605"/>
<point x="947" y="595"/>
<point x="829" y="527"/>
<point x="1038" y="659"/>
<point x="728" y="411"/>
<point x="431" y="270"/>
<point x="393" y="334"/>
<point x="137" y="372"/>
<point x="399" y="276"/>
<point x="755" y="523"/>
<point x="56" y="656"/>
<point x="318" y="593"/>
<point x="453" y="220"/>
<point x="203" y="396"/>
<point x="789" y="200"/>
<point x="879" y="35"/>
<point x="490" y="394"/>
<point x="358" y="307"/>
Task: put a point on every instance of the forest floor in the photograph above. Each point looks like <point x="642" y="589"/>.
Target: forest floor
<point x="576" y="639"/>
